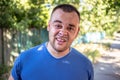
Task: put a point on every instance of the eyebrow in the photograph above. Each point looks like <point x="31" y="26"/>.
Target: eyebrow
<point x="72" y="25"/>
<point x="58" y="21"/>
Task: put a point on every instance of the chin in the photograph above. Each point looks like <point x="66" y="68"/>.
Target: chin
<point x="61" y="49"/>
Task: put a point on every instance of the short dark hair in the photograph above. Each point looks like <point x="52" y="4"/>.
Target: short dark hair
<point x="67" y="8"/>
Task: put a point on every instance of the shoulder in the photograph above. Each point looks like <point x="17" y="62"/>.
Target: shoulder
<point x="29" y="54"/>
<point x="80" y="56"/>
<point x="82" y="59"/>
<point x="77" y="53"/>
<point x="32" y="51"/>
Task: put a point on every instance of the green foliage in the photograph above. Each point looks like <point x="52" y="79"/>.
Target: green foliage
<point x="23" y="14"/>
<point x="94" y="17"/>
<point x="4" y="69"/>
<point x="5" y="11"/>
<point x="92" y="51"/>
<point x="92" y="54"/>
<point x="114" y="5"/>
<point x="4" y="72"/>
<point x="106" y="46"/>
<point x="65" y="2"/>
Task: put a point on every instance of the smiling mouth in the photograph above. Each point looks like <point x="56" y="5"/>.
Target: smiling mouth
<point x="61" y="40"/>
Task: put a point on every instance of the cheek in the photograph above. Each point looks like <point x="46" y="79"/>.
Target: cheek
<point x="72" y="36"/>
<point x="53" y="32"/>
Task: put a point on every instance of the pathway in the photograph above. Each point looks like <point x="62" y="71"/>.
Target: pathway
<point x="108" y="66"/>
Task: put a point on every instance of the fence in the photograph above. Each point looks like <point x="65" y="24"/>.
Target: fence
<point x="17" y="41"/>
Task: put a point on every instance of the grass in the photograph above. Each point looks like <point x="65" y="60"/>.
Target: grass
<point x="91" y="50"/>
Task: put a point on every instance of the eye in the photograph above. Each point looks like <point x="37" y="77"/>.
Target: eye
<point x="70" y="28"/>
<point x="58" y="26"/>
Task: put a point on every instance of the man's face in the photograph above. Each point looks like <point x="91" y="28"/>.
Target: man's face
<point x="63" y="29"/>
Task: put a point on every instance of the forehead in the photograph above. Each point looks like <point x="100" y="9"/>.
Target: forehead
<point x="67" y="17"/>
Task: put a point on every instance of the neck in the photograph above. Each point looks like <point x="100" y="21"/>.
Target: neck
<point x="56" y="53"/>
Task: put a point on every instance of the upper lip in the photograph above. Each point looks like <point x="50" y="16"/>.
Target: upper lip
<point x="62" y="39"/>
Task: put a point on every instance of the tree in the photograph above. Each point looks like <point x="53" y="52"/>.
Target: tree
<point x="22" y="14"/>
<point x="19" y="15"/>
<point x="114" y="6"/>
<point x="4" y="21"/>
<point x="94" y="17"/>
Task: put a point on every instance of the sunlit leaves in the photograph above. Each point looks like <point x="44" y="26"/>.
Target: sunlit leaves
<point x="23" y="14"/>
<point x="95" y="13"/>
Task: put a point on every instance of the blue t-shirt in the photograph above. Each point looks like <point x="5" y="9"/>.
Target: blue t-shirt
<point x="38" y="64"/>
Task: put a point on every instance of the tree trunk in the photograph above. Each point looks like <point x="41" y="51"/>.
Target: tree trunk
<point x="2" y="45"/>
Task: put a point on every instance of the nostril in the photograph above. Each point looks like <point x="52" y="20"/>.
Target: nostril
<point x="62" y="33"/>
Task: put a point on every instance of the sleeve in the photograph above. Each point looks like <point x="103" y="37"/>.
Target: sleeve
<point x="16" y="70"/>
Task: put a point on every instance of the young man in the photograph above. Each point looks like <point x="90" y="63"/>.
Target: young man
<point x="55" y="59"/>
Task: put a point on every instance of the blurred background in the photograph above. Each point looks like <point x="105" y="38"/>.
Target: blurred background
<point x="23" y="25"/>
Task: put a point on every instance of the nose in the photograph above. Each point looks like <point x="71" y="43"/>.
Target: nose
<point x="63" y="32"/>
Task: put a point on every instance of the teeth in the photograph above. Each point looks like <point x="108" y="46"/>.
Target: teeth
<point x="65" y="39"/>
<point x="62" y="39"/>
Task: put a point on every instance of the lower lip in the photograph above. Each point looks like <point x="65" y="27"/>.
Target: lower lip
<point x="60" y="42"/>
